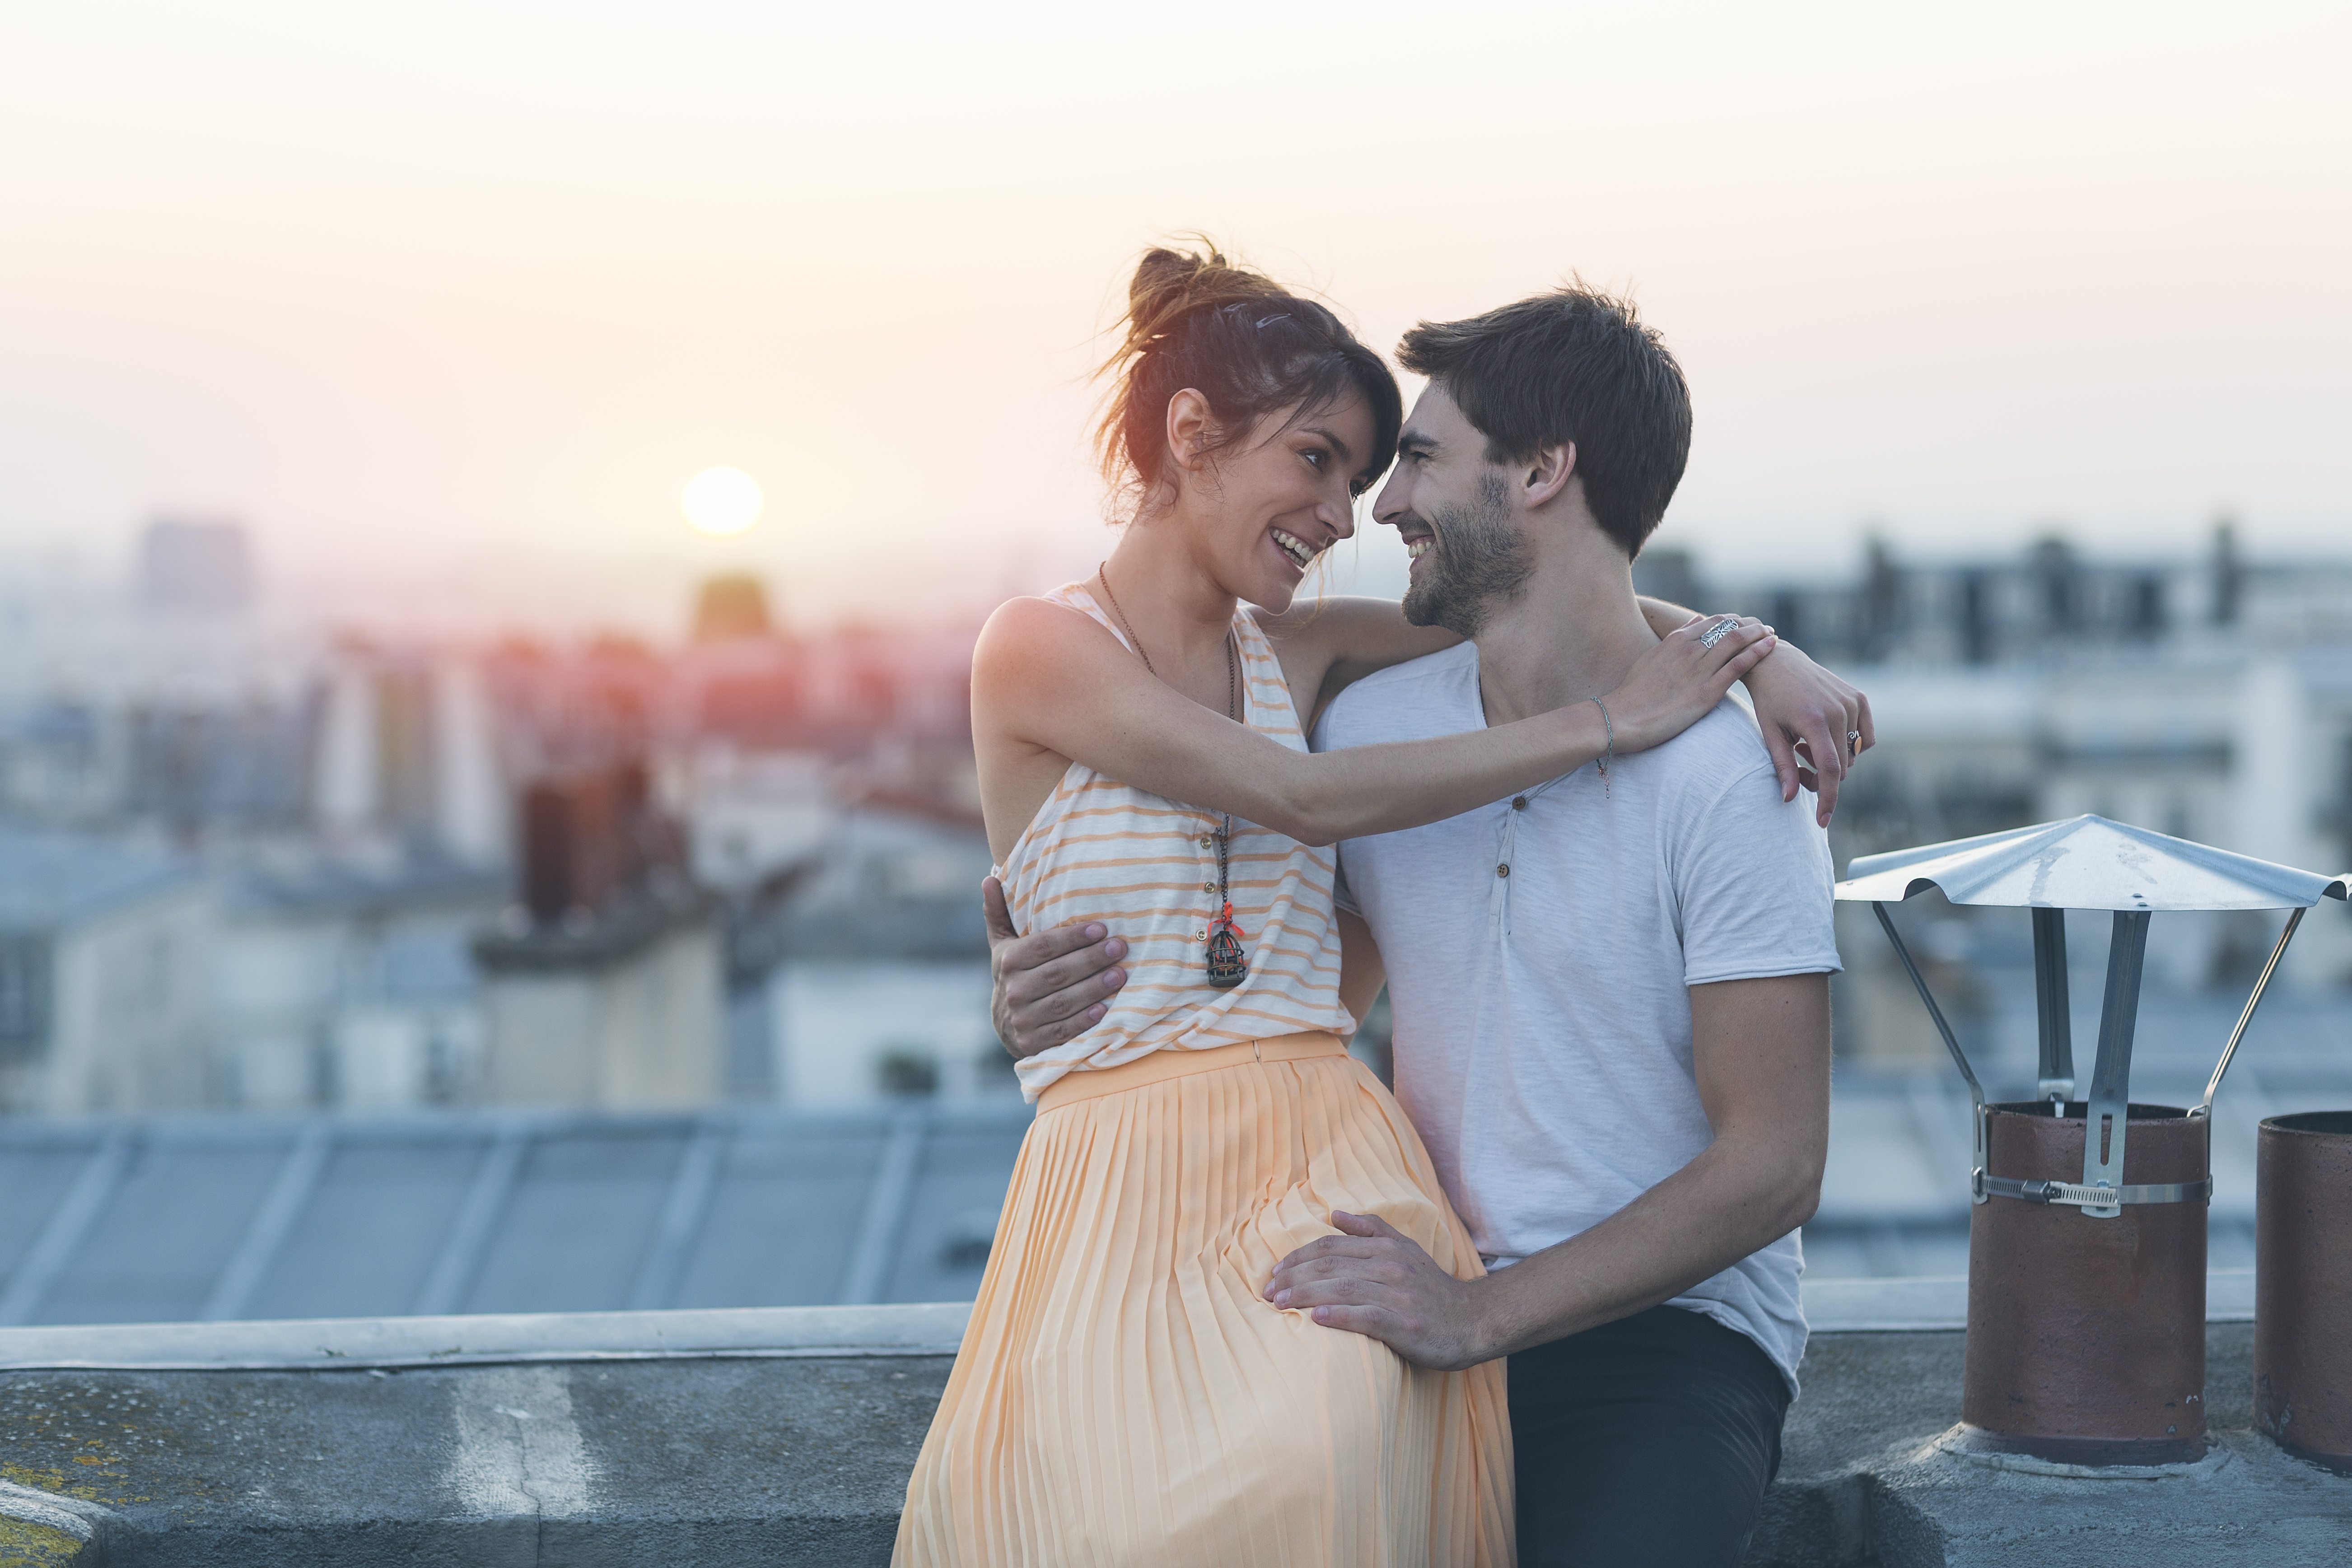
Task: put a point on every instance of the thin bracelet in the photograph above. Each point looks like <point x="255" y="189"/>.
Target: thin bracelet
<point x="1609" y="751"/>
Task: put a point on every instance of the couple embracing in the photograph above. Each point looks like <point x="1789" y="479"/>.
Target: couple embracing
<point x="1244" y="1306"/>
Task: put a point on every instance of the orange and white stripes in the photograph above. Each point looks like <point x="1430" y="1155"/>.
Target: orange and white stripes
<point x="1146" y="867"/>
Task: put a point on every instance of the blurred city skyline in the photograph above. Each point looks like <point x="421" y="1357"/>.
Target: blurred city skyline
<point x="447" y="305"/>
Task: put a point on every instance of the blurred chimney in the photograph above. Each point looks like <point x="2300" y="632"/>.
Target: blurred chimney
<point x="2229" y="573"/>
<point x="731" y="608"/>
<point x="605" y="986"/>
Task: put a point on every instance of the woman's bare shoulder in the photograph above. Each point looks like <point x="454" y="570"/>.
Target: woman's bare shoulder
<point x="1025" y="623"/>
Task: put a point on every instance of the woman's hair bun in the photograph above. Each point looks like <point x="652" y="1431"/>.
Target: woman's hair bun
<point x="1168" y="285"/>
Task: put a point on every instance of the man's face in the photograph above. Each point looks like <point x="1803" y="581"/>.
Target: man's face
<point x="1452" y="509"/>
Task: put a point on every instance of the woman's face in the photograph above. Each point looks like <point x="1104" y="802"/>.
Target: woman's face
<point x="1272" y="502"/>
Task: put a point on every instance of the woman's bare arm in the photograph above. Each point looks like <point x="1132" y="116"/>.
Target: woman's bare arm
<point x="1328" y="647"/>
<point x="1049" y="684"/>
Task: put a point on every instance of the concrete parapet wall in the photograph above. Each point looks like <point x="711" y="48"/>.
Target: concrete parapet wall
<point x="786" y="1436"/>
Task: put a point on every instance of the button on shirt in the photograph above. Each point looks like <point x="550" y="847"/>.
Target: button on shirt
<point x="1539" y="956"/>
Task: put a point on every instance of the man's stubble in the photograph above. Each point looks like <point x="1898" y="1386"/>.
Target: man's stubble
<point x="1478" y="562"/>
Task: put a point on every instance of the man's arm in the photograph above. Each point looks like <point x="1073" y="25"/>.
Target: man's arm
<point x="1762" y="1052"/>
<point x="1056" y="985"/>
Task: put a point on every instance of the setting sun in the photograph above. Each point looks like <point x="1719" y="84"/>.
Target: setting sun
<point x="720" y="501"/>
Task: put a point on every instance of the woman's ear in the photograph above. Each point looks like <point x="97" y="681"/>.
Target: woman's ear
<point x="1546" y="477"/>
<point x="1190" y="430"/>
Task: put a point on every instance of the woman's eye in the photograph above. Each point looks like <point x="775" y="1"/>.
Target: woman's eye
<point x="1317" y="458"/>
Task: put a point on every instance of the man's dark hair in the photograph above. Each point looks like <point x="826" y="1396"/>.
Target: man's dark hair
<point x="1570" y="365"/>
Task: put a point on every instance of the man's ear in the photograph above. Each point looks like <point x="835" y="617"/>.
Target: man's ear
<point x="1192" y="429"/>
<point x="1547" y="475"/>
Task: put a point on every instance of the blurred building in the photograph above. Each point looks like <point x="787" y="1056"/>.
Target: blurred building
<point x="879" y="989"/>
<point x="105" y="969"/>
<point x="406" y="750"/>
<point x="352" y="811"/>
<point x="2210" y="699"/>
<point x="349" y="986"/>
<point x="2052" y="600"/>
<point x="189" y="568"/>
<point x="602" y="986"/>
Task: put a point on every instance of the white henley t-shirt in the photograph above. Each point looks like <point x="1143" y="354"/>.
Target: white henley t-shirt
<point x="1538" y="958"/>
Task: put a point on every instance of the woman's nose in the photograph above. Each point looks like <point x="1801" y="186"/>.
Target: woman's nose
<point x="1338" y="515"/>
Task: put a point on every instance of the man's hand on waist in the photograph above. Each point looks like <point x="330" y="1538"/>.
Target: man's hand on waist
<point x="1373" y="1280"/>
<point x="1051" y="987"/>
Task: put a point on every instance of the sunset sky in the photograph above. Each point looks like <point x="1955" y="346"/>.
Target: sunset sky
<point x="448" y="302"/>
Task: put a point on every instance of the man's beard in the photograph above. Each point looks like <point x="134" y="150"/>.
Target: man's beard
<point x="1477" y="561"/>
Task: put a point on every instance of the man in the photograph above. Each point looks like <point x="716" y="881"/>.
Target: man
<point x="1611" y="994"/>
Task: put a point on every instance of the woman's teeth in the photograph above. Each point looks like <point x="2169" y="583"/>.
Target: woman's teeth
<point x="1294" y="547"/>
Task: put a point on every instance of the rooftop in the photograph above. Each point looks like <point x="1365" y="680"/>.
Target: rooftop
<point x="209" y="1219"/>
<point x="50" y="878"/>
<point x="720" y="1437"/>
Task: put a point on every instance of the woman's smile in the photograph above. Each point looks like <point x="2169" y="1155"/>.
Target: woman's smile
<point x="1300" y="552"/>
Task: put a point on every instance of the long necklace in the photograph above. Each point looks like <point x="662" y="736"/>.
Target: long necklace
<point x="1228" y="964"/>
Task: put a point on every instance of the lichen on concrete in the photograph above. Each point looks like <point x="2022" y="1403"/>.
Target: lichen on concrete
<point x="24" y="1545"/>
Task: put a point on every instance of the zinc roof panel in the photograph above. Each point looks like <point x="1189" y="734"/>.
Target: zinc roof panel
<point x="370" y="1231"/>
<point x="168" y="1231"/>
<point x="579" y="1221"/>
<point x="958" y="1193"/>
<point x="784" y="1216"/>
<point x="35" y="1177"/>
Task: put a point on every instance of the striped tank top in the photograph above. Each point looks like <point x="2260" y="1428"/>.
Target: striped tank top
<point x="1146" y="867"/>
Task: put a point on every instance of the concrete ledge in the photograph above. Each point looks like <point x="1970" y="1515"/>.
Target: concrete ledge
<point x="1862" y="1480"/>
<point x="319" y="1344"/>
<point x="722" y="1438"/>
<point x="1941" y="1301"/>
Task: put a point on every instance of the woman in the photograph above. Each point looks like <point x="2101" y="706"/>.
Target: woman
<point x="1124" y="1393"/>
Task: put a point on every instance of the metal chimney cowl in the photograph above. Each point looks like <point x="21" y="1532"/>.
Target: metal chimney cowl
<point x="2086" y="1237"/>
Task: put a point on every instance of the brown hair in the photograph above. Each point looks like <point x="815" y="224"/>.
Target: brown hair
<point x="1239" y="339"/>
<point x="1571" y="365"/>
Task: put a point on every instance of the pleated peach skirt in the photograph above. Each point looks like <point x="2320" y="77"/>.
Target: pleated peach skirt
<point x="1124" y="1394"/>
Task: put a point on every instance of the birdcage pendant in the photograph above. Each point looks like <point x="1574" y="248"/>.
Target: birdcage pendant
<point x="1228" y="964"/>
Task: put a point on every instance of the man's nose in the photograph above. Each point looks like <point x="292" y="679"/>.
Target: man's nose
<point x="1390" y="505"/>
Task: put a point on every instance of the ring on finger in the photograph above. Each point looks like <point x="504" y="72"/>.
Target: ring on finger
<point x="1853" y="741"/>
<point x="1717" y="632"/>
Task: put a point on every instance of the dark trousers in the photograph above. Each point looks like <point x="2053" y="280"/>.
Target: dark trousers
<point x="1646" y="1441"/>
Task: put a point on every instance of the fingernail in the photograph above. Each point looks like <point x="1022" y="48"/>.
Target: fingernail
<point x="1282" y="1297"/>
<point x="1115" y="948"/>
<point x="1095" y="1014"/>
<point x="1097" y="932"/>
<point x="1115" y="978"/>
